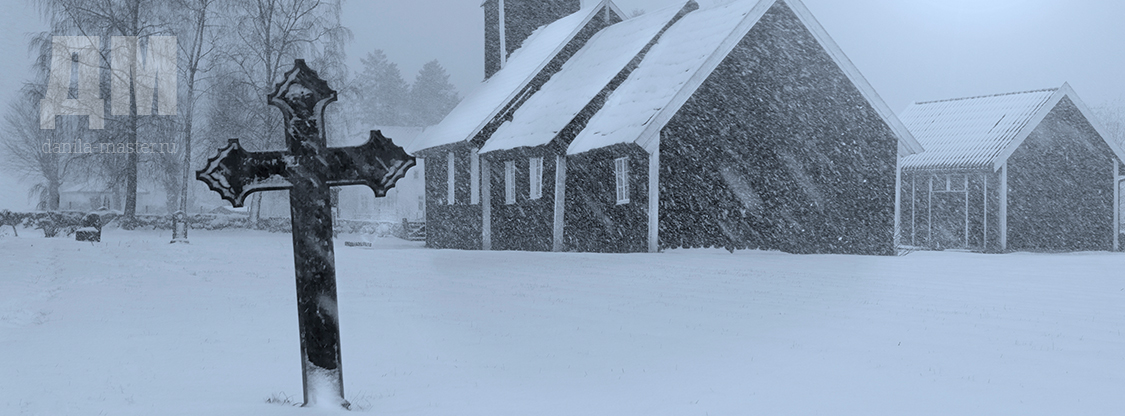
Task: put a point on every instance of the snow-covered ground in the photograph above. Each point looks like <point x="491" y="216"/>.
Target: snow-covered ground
<point x="136" y="326"/>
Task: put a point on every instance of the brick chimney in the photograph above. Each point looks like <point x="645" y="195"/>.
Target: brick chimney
<point x="520" y="17"/>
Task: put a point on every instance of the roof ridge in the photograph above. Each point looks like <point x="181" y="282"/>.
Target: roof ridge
<point x="987" y="96"/>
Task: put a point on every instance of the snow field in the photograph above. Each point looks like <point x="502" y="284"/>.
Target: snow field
<point x="136" y="326"/>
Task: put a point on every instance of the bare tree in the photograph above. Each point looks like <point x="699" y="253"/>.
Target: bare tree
<point x="196" y="44"/>
<point x="28" y="150"/>
<point x="330" y="61"/>
<point x="265" y="37"/>
<point x="45" y="156"/>
<point x="104" y="18"/>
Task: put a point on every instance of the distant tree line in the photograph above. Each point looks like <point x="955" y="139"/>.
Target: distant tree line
<point x="386" y="100"/>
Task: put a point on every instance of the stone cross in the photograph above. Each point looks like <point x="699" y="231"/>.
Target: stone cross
<point x="307" y="170"/>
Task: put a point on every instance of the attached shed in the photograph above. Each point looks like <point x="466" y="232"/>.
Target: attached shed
<point x="1020" y="171"/>
<point x="454" y="212"/>
<point x="527" y="179"/>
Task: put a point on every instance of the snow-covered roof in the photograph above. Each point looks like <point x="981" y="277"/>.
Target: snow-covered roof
<point x="982" y="132"/>
<point x="682" y="60"/>
<point x="587" y="73"/>
<point x="403" y="136"/>
<point x="355" y="132"/>
<point x="487" y="100"/>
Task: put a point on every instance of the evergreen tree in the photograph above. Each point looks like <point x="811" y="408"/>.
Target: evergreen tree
<point x="431" y="96"/>
<point x="384" y="92"/>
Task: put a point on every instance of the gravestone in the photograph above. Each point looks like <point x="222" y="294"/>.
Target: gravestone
<point x="307" y="169"/>
<point x="179" y="227"/>
<point x="91" y="229"/>
<point x="12" y="219"/>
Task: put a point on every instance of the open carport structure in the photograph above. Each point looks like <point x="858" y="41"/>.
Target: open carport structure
<point x="1020" y="171"/>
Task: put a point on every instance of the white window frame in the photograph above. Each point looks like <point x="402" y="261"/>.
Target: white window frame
<point x="535" y="177"/>
<point x="474" y="177"/>
<point x="951" y="183"/>
<point x="509" y="182"/>
<point x="621" y="179"/>
<point x="451" y="191"/>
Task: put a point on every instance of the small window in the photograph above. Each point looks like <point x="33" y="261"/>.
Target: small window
<point x="621" y="173"/>
<point x="535" y="174"/>
<point x="452" y="184"/>
<point x="510" y="182"/>
<point x="421" y="203"/>
<point x="474" y="177"/>
<point x="957" y="182"/>
<point x="950" y="183"/>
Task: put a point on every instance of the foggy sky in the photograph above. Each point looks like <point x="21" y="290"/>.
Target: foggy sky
<point x="908" y="50"/>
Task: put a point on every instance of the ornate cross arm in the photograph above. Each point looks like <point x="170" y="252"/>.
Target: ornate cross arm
<point x="235" y="173"/>
<point x="377" y="163"/>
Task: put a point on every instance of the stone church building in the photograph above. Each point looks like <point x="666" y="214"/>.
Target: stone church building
<point x="739" y="125"/>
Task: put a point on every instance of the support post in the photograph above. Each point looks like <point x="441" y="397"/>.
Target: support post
<point x="654" y="202"/>
<point x="984" y="221"/>
<point x="930" y="214"/>
<point x="913" y="208"/>
<point x="486" y="204"/>
<point x="474" y="176"/>
<point x="503" y="35"/>
<point x="898" y="203"/>
<point x="1116" y="204"/>
<point x="560" y="202"/>
<point x="1004" y="207"/>
<point x="966" y="210"/>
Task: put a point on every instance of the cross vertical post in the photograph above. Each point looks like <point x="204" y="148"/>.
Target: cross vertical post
<point x="307" y="169"/>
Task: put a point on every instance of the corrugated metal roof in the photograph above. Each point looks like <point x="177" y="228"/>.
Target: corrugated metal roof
<point x="540" y="119"/>
<point x="481" y="105"/>
<point x="970" y="133"/>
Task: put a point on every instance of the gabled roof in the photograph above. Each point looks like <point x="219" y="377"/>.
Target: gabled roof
<point x="682" y="60"/>
<point x="354" y="132"/>
<point x="486" y="101"/>
<point x="982" y="132"/>
<point x="586" y="74"/>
